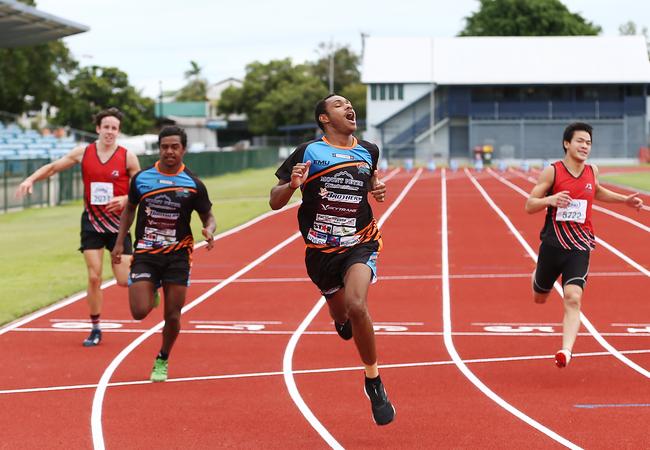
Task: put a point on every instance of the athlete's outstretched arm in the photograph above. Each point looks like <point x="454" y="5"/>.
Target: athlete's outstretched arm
<point x="537" y="200"/>
<point x="126" y="219"/>
<point x="605" y="195"/>
<point x="282" y="192"/>
<point x="70" y="159"/>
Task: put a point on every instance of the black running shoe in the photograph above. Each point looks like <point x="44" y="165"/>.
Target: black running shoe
<point x="94" y="338"/>
<point x="344" y="330"/>
<point x="383" y="411"/>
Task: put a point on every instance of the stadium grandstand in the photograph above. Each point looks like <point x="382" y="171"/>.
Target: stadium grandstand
<point x="514" y="95"/>
<point x="23" y="25"/>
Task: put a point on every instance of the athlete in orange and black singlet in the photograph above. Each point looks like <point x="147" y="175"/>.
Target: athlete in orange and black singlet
<point x="106" y="169"/>
<point x="164" y="195"/>
<point x="336" y="173"/>
<point x="567" y="189"/>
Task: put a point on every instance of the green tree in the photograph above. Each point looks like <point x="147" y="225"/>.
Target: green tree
<point x="274" y="94"/>
<point x="526" y="18"/>
<point x="346" y="66"/>
<point x="32" y="75"/>
<point x="95" y="88"/>
<point x="196" y="88"/>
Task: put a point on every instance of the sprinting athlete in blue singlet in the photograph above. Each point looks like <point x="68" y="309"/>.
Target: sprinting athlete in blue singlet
<point x="335" y="174"/>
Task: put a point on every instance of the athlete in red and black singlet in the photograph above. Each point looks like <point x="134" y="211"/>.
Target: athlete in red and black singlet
<point x="97" y="176"/>
<point x="571" y="235"/>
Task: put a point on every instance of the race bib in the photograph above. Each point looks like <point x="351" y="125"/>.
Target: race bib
<point x="101" y="193"/>
<point x="575" y="212"/>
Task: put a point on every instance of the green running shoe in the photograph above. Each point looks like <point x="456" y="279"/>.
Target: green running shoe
<point x="159" y="372"/>
<point x="156" y="298"/>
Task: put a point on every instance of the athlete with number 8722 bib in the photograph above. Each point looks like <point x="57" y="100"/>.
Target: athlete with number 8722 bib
<point x="567" y="189"/>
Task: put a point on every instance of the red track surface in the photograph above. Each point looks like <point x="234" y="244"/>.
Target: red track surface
<point x="597" y="402"/>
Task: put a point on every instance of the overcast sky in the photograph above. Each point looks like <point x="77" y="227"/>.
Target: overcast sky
<point x="154" y="41"/>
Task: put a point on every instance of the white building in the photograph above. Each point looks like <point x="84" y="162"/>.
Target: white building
<point x="514" y="93"/>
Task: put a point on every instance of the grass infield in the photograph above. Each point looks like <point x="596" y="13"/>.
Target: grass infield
<point x="40" y="263"/>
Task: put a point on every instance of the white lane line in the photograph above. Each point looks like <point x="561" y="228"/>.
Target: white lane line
<point x="287" y="360"/>
<point x="98" y="399"/>
<point x="596" y="207"/>
<point x="470" y="276"/>
<point x="449" y="343"/>
<point x="585" y="321"/>
<point x="65" y="302"/>
<point x="316" y="333"/>
<point x="309" y="371"/>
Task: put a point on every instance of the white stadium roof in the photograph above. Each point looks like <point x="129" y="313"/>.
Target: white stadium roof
<point x="507" y="60"/>
<point x="21" y="25"/>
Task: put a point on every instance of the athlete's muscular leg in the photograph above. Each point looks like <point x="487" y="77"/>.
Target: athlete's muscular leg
<point x="174" y="301"/>
<point x="141" y="299"/>
<point x="121" y="270"/>
<point x="337" y="308"/>
<point x="571" y="322"/>
<point x="94" y="264"/>
<point x="357" y="279"/>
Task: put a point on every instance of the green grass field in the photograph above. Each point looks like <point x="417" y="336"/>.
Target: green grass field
<point x="40" y="263"/>
<point x="636" y="180"/>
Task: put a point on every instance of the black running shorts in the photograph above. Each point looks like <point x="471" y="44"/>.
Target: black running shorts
<point x="161" y="268"/>
<point x="552" y="262"/>
<point x="92" y="240"/>
<point x="327" y="270"/>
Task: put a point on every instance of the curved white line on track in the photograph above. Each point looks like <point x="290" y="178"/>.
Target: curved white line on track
<point x="588" y="325"/>
<point x="287" y="360"/>
<point x="98" y="399"/>
<point x="76" y="297"/>
<point x="449" y="343"/>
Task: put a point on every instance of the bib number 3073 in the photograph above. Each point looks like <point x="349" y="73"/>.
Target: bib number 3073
<point x="575" y="212"/>
<point x="101" y="193"/>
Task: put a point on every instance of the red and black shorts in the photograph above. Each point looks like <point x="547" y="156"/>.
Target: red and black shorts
<point x="327" y="270"/>
<point x="552" y="262"/>
<point x="161" y="268"/>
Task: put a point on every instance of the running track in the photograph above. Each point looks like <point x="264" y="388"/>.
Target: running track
<point x="466" y="355"/>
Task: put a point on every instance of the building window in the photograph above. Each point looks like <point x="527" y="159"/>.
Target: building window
<point x="387" y="91"/>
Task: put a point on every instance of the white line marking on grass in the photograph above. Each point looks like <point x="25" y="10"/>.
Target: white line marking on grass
<point x="449" y="343"/>
<point x="65" y="302"/>
<point x="585" y="321"/>
<point x="308" y="372"/>
<point x="287" y="360"/>
<point x="98" y="399"/>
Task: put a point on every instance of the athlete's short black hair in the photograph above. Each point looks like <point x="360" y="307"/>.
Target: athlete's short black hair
<point x="572" y="128"/>
<point x="173" y="130"/>
<point x="320" y="109"/>
<point x="110" y="112"/>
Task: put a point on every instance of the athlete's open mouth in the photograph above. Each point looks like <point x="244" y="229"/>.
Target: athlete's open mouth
<point x="350" y="116"/>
